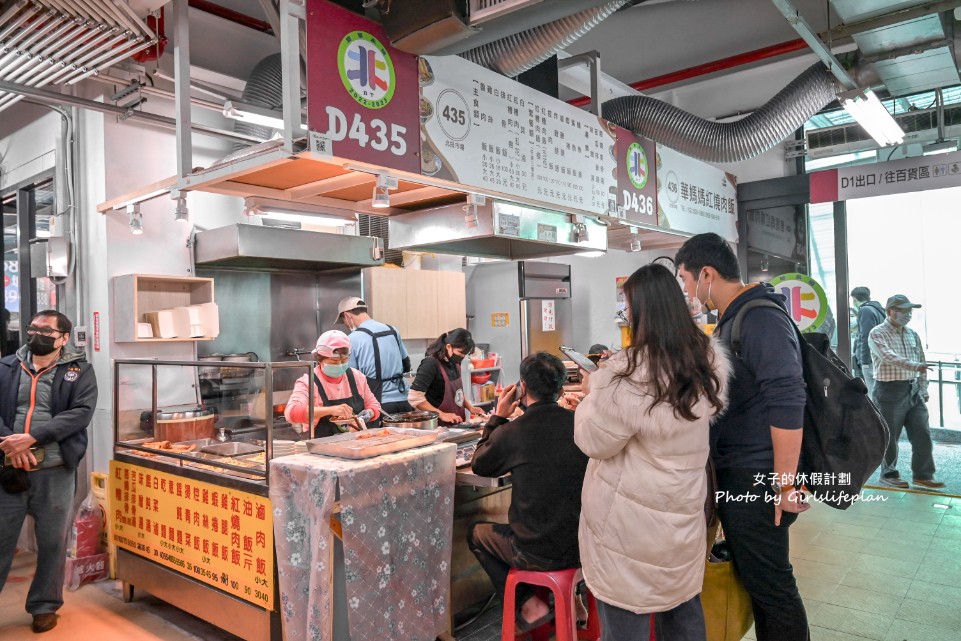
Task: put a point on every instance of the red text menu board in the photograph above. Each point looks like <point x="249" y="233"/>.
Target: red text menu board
<point x="217" y="535"/>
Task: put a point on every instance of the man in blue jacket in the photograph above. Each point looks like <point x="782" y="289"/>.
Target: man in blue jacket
<point x="756" y="443"/>
<point x="47" y="399"/>
<point x="870" y="315"/>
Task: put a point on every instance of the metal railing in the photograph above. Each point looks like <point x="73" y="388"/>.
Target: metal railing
<point x="944" y="386"/>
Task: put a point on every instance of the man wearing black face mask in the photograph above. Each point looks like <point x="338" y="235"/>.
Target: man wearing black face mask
<point x="901" y="393"/>
<point x="547" y="471"/>
<point x="47" y="399"/>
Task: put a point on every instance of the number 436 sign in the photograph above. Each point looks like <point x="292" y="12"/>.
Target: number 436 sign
<point x="362" y="94"/>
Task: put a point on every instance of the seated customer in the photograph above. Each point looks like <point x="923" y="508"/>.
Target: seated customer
<point x="547" y="470"/>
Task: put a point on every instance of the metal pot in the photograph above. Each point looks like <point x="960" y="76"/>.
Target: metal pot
<point x="413" y="420"/>
<point x="187" y="412"/>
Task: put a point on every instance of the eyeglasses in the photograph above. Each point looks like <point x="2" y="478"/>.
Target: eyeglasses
<point x="43" y="331"/>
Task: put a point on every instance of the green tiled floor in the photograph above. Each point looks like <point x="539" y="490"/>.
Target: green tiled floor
<point x="889" y="571"/>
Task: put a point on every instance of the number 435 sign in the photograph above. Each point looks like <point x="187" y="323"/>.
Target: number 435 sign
<point x="362" y="94"/>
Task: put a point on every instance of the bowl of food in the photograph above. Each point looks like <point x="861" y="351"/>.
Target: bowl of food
<point x="426" y="110"/>
<point x="480" y="379"/>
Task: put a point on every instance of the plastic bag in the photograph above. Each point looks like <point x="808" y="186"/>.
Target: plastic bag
<point x="86" y="560"/>
<point x="85" y="533"/>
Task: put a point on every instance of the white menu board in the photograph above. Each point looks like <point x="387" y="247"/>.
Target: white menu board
<point x="481" y="129"/>
<point x="695" y="197"/>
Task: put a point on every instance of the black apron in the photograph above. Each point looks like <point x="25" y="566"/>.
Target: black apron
<point x="326" y="427"/>
<point x="377" y="382"/>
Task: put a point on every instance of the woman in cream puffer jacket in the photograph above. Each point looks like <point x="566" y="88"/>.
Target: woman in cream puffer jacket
<point x="642" y="528"/>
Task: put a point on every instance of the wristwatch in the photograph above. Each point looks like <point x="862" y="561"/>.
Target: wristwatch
<point x="780" y="489"/>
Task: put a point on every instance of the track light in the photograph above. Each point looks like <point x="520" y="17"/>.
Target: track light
<point x="765" y="264"/>
<point x="635" y="245"/>
<point x="136" y="219"/>
<point x="381" y="197"/>
<point x="470" y="209"/>
<point x="181" y="213"/>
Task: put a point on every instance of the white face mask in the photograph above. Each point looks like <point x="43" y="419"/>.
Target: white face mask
<point x="708" y="305"/>
<point x="902" y="318"/>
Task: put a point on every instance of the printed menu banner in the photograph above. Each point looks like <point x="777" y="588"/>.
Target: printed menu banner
<point x="778" y="230"/>
<point x="695" y="197"/>
<point x="882" y="179"/>
<point x="483" y="130"/>
<point x="636" y="178"/>
<point x="213" y="534"/>
<point x="361" y="92"/>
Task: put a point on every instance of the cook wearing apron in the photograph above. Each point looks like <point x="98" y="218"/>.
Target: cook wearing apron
<point x="438" y="386"/>
<point x="340" y="392"/>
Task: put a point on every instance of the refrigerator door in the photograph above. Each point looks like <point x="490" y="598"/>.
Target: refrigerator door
<point x="549" y="324"/>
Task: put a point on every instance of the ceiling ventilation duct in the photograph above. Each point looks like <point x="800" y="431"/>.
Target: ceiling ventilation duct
<point x="58" y="42"/>
<point x="447" y="27"/>
<point x="723" y="142"/>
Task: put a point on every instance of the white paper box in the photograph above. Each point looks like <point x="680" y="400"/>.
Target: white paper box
<point x="187" y="322"/>
<point x="210" y="319"/>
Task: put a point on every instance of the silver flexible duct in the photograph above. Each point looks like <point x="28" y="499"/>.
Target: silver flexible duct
<point x="724" y="142"/>
<point x="513" y="55"/>
<point x="265" y="88"/>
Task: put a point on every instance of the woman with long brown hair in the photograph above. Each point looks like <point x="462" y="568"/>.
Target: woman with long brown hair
<point x="645" y="424"/>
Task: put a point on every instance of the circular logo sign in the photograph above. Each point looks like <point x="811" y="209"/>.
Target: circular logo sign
<point x="806" y="301"/>
<point x="366" y="69"/>
<point x="459" y="398"/>
<point x="637" y="165"/>
<point x="454" y="118"/>
<point x="673" y="187"/>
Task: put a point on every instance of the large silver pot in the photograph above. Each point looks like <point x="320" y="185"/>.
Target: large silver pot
<point x="413" y="420"/>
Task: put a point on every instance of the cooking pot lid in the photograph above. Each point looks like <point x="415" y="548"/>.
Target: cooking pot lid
<point x="184" y="411"/>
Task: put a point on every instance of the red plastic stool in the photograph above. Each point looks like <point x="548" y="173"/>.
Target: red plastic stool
<point x="564" y="626"/>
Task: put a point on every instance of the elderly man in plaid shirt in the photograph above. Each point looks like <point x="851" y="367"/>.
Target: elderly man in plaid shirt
<point x="901" y="392"/>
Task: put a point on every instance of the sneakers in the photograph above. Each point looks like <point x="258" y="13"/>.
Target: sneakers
<point x="894" y="481"/>
<point x="44" y="622"/>
<point x="931" y="484"/>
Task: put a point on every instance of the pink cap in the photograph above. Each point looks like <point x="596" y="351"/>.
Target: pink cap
<point x="331" y="340"/>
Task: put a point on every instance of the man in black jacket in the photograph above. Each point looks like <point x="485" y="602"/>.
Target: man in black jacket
<point x="547" y="471"/>
<point x="47" y="399"/>
<point x="756" y="443"/>
<point x="870" y="315"/>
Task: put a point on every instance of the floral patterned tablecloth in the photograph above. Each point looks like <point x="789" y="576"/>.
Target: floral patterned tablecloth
<point x="397" y="516"/>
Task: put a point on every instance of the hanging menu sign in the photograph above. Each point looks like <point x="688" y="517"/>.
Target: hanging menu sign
<point x="695" y="197"/>
<point x="361" y="92"/>
<point x="483" y="130"/>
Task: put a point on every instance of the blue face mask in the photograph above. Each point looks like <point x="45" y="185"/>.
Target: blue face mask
<point x="334" y="370"/>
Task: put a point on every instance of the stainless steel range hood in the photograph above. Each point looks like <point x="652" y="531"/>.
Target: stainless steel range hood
<point x="258" y="247"/>
<point x="503" y="230"/>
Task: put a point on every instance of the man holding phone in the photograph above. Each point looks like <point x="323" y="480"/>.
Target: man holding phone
<point x="547" y="470"/>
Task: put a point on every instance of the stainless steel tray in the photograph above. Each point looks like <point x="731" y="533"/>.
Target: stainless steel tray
<point x="351" y="446"/>
<point x="232" y="448"/>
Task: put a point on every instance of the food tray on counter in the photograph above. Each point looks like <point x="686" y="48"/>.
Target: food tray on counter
<point x="368" y="444"/>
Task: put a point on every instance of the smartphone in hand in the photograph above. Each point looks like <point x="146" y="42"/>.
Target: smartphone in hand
<point x="579" y="359"/>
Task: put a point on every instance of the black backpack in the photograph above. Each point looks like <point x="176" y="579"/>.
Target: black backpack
<point x="845" y="435"/>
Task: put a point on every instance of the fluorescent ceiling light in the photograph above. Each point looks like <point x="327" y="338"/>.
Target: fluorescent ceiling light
<point x="864" y="106"/>
<point x="941" y="147"/>
<point x="255" y="115"/>
<point x="256" y="206"/>
<point x="591" y="254"/>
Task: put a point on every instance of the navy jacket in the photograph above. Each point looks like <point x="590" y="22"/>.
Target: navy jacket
<point x="73" y="400"/>
<point x="870" y="315"/>
<point x="767" y="387"/>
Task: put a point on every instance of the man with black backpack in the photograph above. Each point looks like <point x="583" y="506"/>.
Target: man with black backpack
<point x="901" y="393"/>
<point x="756" y="443"/>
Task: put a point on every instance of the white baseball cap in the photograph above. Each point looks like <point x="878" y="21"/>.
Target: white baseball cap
<point x="349" y="303"/>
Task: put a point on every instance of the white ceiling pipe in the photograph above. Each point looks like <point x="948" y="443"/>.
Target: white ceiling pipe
<point x="99" y="64"/>
<point x="19" y="20"/>
<point x="23" y="54"/>
<point x="12" y="10"/>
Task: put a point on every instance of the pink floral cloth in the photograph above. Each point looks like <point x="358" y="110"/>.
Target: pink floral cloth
<point x="397" y="514"/>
